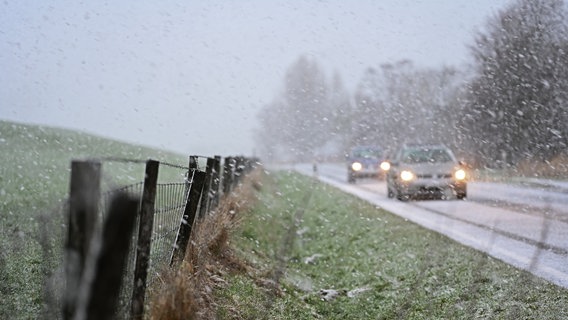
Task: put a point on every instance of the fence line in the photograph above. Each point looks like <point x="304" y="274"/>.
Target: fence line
<point x="169" y="199"/>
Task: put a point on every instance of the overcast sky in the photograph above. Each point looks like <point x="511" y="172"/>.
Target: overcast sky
<point x="190" y="76"/>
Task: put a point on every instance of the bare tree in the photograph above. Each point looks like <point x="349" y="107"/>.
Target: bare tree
<point x="270" y="137"/>
<point x="516" y="104"/>
<point x="367" y="125"/>
<point x="402" y="103"/>
<point x="298" y="121"/>
<point x="341" y="112"/>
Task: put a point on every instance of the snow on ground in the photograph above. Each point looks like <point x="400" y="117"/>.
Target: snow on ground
<point x="525" y="226"/>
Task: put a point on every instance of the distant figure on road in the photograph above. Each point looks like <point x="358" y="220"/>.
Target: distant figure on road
<point x="315" y="168"/>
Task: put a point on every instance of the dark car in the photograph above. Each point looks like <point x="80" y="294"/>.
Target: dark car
<point x="426" y="171"/>
<point x="364" y="162"/>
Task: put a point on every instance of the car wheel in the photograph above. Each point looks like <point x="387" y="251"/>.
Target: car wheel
<point x="403" y="197"/>
<point x="447" y="194"/>
<point x="461" y="195"/>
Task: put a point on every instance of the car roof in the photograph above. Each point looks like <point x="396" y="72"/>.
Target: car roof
<point x="423" y="146"/>
<point x="366" y="147"/>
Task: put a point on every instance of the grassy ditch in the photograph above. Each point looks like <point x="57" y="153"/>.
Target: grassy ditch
<point x="315" y="252"/>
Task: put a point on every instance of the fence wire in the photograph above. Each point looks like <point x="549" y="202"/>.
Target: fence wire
<point x="171" y="195"/>
<point x="162" y="204"/>
<point x="168" y="212"/>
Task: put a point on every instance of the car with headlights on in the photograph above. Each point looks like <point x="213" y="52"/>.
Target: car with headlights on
<point x="364" y="162"/>
<point x="430" y="171"/>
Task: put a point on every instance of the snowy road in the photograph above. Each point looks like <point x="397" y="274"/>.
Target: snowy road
<point x="523" y="225"/>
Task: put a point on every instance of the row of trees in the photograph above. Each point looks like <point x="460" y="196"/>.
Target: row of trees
<point x="511" y="106"/>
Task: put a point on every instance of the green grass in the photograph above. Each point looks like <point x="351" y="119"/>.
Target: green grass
<point x="34" y="181"/>
<point x="404" y="271"/>
<point x="407" y="272"/>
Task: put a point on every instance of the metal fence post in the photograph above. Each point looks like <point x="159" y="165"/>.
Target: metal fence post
<point x="144" y="239"/>
<point x="84" y="197"/>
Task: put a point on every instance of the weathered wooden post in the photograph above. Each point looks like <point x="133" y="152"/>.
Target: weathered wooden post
<point x="239" y="166"/>
<point x="84" y="195"/>
<point x="193" y="163"/>
<point x="216" y="182"/>
<point x="189" y="176"/>
<point x="206" y="194"/>
<point x="190" y="211"/>
<point x="144" y="239"/>
<point x="100" y="287"/>
<point x="228" y="168"/>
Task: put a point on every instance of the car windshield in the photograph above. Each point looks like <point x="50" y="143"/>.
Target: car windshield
<point x="367" y="153"/>
<point x="426" y="156"/>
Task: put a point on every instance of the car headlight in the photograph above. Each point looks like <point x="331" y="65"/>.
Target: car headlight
<point x="385" y="166"/>
<point x="406" y="175"/>
<point x="460" y="174"/>
<point x="356" y="166"/>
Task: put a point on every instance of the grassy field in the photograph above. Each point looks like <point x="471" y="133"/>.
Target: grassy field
<point x="308" y="250"/>
<point x="34" y="181"/>
<point x="307" y="241"/>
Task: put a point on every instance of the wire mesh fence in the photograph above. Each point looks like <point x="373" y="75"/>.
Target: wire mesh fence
<point x="169" y="198"/>
<point x="169" y="204"/>
<point x="168" y="213"/>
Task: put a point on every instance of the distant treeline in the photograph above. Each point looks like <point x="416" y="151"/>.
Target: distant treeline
<point x="509" y="106"/>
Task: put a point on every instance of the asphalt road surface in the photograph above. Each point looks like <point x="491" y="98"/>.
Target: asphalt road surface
<point x="525" y="224"/>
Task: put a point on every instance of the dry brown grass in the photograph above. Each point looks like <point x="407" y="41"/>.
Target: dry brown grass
<point x="556" y="168"/>
<point x="187" y="293"/>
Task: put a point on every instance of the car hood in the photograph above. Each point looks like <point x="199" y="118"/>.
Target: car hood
<point x="430" y="168"/>
<point x="365" y="161"/>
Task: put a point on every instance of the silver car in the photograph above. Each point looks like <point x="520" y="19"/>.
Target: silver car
<point x="430" y="171"/>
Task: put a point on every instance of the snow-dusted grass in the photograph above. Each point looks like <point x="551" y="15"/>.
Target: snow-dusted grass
<point x="34" y="181"/>
<point x="553" y="171"/>
<point x="336" y="257"/>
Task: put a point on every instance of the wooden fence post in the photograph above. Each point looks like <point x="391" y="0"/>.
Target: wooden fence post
<point x="192" y="169"/>
<point x="216" y="182"/>
<point x="144" y="239"/>
<point x="238" y="170"/>
<point x="84" y="195"/>
<point x="206" y="194"/>
<point x="188" y="219"/>
<point x="100" y="288"/>
<point x="228" y="168"/>
<point x="193" y="163"/>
